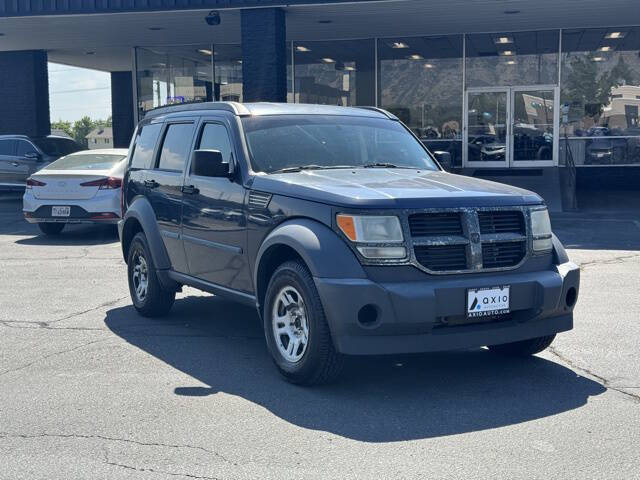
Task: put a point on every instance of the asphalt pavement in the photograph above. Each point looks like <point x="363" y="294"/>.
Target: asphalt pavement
<point x="91" y="390"/>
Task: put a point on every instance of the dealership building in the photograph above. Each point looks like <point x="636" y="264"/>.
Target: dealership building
<point x="544" y="94"/>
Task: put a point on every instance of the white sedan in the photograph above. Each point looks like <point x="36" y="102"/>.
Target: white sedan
<point x="83" y="187"/>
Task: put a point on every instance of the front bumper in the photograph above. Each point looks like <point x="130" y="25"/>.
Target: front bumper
<point x="429" y="315"/>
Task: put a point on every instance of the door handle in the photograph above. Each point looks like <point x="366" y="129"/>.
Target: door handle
<point x="15" y="164"/>
<point x="151" y="184"/>
<point x="190" y="189"/>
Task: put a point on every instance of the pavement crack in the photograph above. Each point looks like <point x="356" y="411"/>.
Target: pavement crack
<point x="61" y="352"/>
<point x="116" y="439"/>
<point x="608" y="261"/>
<point x="160" y="472"/>
<point x="602" y="380"/>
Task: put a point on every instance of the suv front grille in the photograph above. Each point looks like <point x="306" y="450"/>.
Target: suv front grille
<point x="502" y="254"/>
<point x="435" y="224"/>
<point x="501" y="221"/>
<point x="469" y="240"/>
<point x="440" y="258"/>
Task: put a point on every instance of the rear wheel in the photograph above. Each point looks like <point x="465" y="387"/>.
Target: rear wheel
<point x="51" y="228"/>
<point x="296" y="328"/>
<point x="524" y="348"/>
<point x="147" y="294"/>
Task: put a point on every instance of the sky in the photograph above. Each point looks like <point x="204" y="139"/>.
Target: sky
<point x="76" y="92"/>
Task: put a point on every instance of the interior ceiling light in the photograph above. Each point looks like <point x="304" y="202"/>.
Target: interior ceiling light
<point x="328" y="60"/>
<point x="615" y="35"/>
<point x="597" y="59"/>
<point x="511" y="62"/>
<point x="206" y="52"/>
<point x="507" y="53"/>
<point x="428" y="65"/>
<point x="300" y="48"/>
<point x="415" y="56"/>
<point x="350" y="69"/>
<point x="503" y="40"/>
<point x="398" y="45"/>
<point x="606" y="48"/>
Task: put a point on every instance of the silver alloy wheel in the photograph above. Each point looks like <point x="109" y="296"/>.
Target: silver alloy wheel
<point x="140" y="277"/>
<point x="290" y="326"/>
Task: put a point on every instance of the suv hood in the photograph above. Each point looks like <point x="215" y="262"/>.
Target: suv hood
<point x="393" y="188"/>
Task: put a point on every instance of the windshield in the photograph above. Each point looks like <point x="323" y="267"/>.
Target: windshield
<point x="56" y="146"/>
<point x="330" y="141"/>
<point x="86" y="161"/>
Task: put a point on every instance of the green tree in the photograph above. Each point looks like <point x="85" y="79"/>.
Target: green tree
<point x="81" y="129"/>
<point x="64" y="126"/>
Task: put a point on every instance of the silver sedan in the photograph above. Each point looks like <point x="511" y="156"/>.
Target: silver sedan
<point x="83" y="187"/>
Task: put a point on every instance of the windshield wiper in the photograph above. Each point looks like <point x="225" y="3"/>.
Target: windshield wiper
<point x="309" y="167"/>
<point x="386" y="165"/>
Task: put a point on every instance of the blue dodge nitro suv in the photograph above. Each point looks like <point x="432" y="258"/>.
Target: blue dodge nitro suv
<point x="343" y="231"/>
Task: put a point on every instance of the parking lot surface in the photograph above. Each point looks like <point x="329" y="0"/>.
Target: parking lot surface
<point x="91" y="390"/>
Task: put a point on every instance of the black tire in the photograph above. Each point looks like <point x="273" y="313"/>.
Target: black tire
<point x="51" y="228"/>
<point x="320" y="362"/>
<point x="525" y="348"/>
<point x="156" y="300"/>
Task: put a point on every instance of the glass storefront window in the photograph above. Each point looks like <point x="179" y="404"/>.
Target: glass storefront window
<point x="420" y="81"/>
<point x="335" y="72"/>
<point x="228" y="72"/>
<point x="505" y="59"/>
<point x="601" y="89"/>
<point x="169" y="75"/>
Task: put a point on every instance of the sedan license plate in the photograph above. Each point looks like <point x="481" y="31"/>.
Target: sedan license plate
<point x="60" y="211"/>
<point x="483" y="302"/>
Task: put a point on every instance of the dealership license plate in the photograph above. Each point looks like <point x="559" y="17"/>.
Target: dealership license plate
<point x="483" y="302"/>
<point x="60" y="211"/>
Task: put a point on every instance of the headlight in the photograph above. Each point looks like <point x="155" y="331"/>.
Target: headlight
<point x="541" y="230"/>
<point x="374" y="229"/>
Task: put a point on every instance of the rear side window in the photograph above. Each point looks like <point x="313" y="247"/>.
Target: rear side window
<point x="56" y="146"/>
<point x="24" y="148"/>
<point x="215" y="137"/>
<point x="145" y="143"/>
<point x="6" y="147"/>
<point x="176" y="145"/>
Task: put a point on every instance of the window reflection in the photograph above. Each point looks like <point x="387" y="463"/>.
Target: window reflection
<point x="420" y="81"/>
<point x="520" y="58"/>
<point x="228" y="72"/>
<point x="170" y="75"/>
<point x="335" y="73"/>
<point x="601" y="87"/>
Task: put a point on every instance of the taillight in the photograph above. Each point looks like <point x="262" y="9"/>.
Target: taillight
<point x="109" y="183"/>
<point x="34" y="183"/>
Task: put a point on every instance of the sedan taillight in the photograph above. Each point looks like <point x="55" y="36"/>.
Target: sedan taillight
<point x="109" y="183"/>
<point x="34" y="183"/>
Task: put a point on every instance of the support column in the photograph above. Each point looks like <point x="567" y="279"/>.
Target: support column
<point x="24" y="102"/>
<point x="264" y="55"/>
<point x="122" y="108"/>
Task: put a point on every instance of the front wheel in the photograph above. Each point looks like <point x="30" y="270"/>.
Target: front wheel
<point x="147" y="294"/>
<point x="51" y="228"/>
<point x="524" y="348"/>
<point x="296" y="328"/>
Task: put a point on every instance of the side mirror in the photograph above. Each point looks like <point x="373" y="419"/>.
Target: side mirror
<point x="209" y="163"/>
<point x="444" y="159"/>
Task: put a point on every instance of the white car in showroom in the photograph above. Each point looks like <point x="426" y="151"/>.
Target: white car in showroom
<point x="83" y="187"/>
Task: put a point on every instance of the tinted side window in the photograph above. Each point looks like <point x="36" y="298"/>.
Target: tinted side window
<point x="215" y="137"/>
<point x="145" y="143"/>
<point x="6" y="147"/>
<point x="24" y="148"/>
<point x="176" y="145"/>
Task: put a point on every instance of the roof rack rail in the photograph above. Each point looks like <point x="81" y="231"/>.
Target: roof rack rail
<point x="233" y="107"/>
<point x="382" y="111"/>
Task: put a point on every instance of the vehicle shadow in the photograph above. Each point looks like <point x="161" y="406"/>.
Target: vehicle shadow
<point x="597" y="232"/>
<point x="378" y="399"/>
<point x="80" y="235"/>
